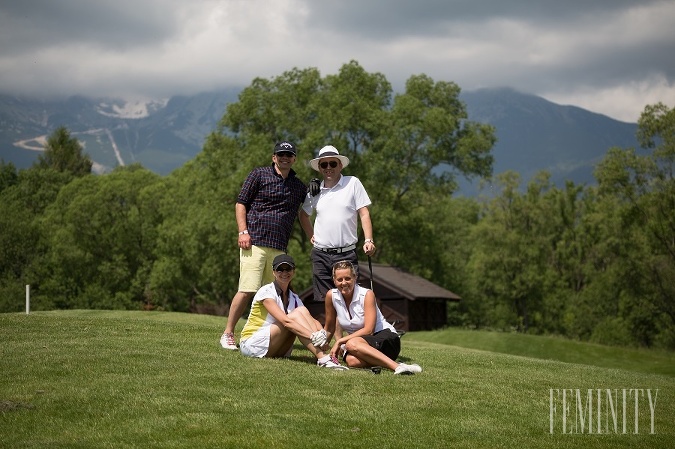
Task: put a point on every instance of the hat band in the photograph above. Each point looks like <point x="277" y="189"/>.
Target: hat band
<point x="328" y="154"/>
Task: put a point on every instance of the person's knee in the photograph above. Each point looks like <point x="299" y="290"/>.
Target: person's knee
<point x="353" y="346"/>
<point x="244" y="296"/>
<point x="294" y="313"/>
<point x="304" y="311"/>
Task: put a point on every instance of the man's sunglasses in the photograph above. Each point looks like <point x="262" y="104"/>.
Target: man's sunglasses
<point x="285" y="154"/>
<point x="325" y="165"/>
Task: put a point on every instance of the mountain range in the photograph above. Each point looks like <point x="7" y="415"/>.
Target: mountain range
<point x="533" y="134"/>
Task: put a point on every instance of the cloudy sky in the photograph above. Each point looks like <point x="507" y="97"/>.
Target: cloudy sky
<point x="608" y="56"/>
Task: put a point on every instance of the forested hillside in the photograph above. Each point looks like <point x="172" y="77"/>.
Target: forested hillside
<point x="532" y="133"/>
<point x="161" y="135"/>
<point x="592" y="262"/>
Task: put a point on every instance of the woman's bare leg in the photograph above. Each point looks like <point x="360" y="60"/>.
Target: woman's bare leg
<point x="281" y="340"/>
<point x="362" y="355"/>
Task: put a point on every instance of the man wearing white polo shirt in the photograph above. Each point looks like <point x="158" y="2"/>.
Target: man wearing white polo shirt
<point x="341" y="202"/>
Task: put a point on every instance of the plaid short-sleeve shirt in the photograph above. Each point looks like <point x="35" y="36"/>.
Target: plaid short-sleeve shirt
<point x="272" y="204"/>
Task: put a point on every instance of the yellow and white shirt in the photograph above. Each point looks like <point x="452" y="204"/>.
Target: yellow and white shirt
<point x="259" y="317"/>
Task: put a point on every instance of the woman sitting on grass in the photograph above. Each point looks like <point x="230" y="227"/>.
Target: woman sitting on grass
<point x="278" y="315"/>
<point x="371" y="340"/>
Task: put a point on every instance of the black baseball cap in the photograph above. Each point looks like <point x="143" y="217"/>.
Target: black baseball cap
<point x="282" y="259"/>
<point x="284" y="146"/>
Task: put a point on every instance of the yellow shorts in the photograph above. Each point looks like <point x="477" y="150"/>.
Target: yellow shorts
<point x="255" y="267"/>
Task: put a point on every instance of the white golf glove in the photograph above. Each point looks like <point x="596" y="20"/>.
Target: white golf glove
<point x="319" y="338"/>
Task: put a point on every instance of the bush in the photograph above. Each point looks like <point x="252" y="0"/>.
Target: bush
<point x="612" y="331"/>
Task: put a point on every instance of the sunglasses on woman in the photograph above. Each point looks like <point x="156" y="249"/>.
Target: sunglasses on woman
<point x="325" y="165"/>
<point x="284" y="268"/>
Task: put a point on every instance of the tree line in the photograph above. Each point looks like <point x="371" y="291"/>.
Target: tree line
<point x="594" y="263"/>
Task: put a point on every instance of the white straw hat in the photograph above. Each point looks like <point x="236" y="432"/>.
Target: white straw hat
<point x="326" y="152"/>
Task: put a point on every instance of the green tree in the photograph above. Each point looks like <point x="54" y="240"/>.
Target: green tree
<point x="8" y="175"/>
<point x="426" y="139"/>
<point x="644" y="188"/>
<point x="353" y="106"/>
<point x="101" y="232"/>
<point x="18" y="247"/>
<point x="21" y="244"/>
<point x="64" y="153"/>
<point x="197" y="262"/>
<point x="513" y="244"/>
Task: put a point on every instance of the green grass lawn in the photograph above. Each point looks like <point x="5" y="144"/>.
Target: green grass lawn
<point x="104" y="379"/>
<point x="554" y="348"/>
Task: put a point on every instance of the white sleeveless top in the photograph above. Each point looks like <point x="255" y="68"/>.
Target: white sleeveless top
<point x="353" y="319"/>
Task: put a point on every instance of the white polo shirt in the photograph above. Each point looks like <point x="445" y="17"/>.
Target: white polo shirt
<point x="337" y="212"/>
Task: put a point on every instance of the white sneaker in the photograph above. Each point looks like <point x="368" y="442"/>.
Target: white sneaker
<point x="227" y="341"/>
<point x="404" y="368"/>
<point x="332" y="363"/>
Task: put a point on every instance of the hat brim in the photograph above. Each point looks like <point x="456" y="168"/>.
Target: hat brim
<point x="283" y="263"/>
<point x="314" y="163"/>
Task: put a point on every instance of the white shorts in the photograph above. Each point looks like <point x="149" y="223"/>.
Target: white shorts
<point x="257" y="344"/>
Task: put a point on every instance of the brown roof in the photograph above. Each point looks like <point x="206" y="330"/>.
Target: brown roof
<point x="405" y="284"/>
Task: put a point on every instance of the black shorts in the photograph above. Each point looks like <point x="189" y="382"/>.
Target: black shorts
<point x="385" y="341"/>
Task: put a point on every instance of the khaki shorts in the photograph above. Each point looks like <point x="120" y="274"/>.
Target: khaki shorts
<point x="255" y="267"/>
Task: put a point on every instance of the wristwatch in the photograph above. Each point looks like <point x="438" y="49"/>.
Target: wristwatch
<point x="368" y="240"/>
<point x="245" y="231"/>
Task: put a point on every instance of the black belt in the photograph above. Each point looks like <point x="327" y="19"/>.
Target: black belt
<point x="337" y="250"/>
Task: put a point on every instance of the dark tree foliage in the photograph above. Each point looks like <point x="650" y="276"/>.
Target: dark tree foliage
<point x="65" y="154"/>
<point x="8" y="175"/>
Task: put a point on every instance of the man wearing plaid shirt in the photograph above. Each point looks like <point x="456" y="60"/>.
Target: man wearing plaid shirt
<point x="266" y="209"/>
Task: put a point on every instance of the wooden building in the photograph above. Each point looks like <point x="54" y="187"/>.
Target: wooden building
<point x="410" y="302"/>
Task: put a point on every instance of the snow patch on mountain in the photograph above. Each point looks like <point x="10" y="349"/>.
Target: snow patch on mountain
<point x="130" y="109"/>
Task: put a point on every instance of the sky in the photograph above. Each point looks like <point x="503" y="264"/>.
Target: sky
<point x="613" y="57"/>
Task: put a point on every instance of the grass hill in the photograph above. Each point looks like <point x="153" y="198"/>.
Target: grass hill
<point x="160" y="380"/>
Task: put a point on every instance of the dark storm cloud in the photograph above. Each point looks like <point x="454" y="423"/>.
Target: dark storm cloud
<point x="383" y="19"/>
<point x="30" y="25"/>
<point x="615" y="55"/>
